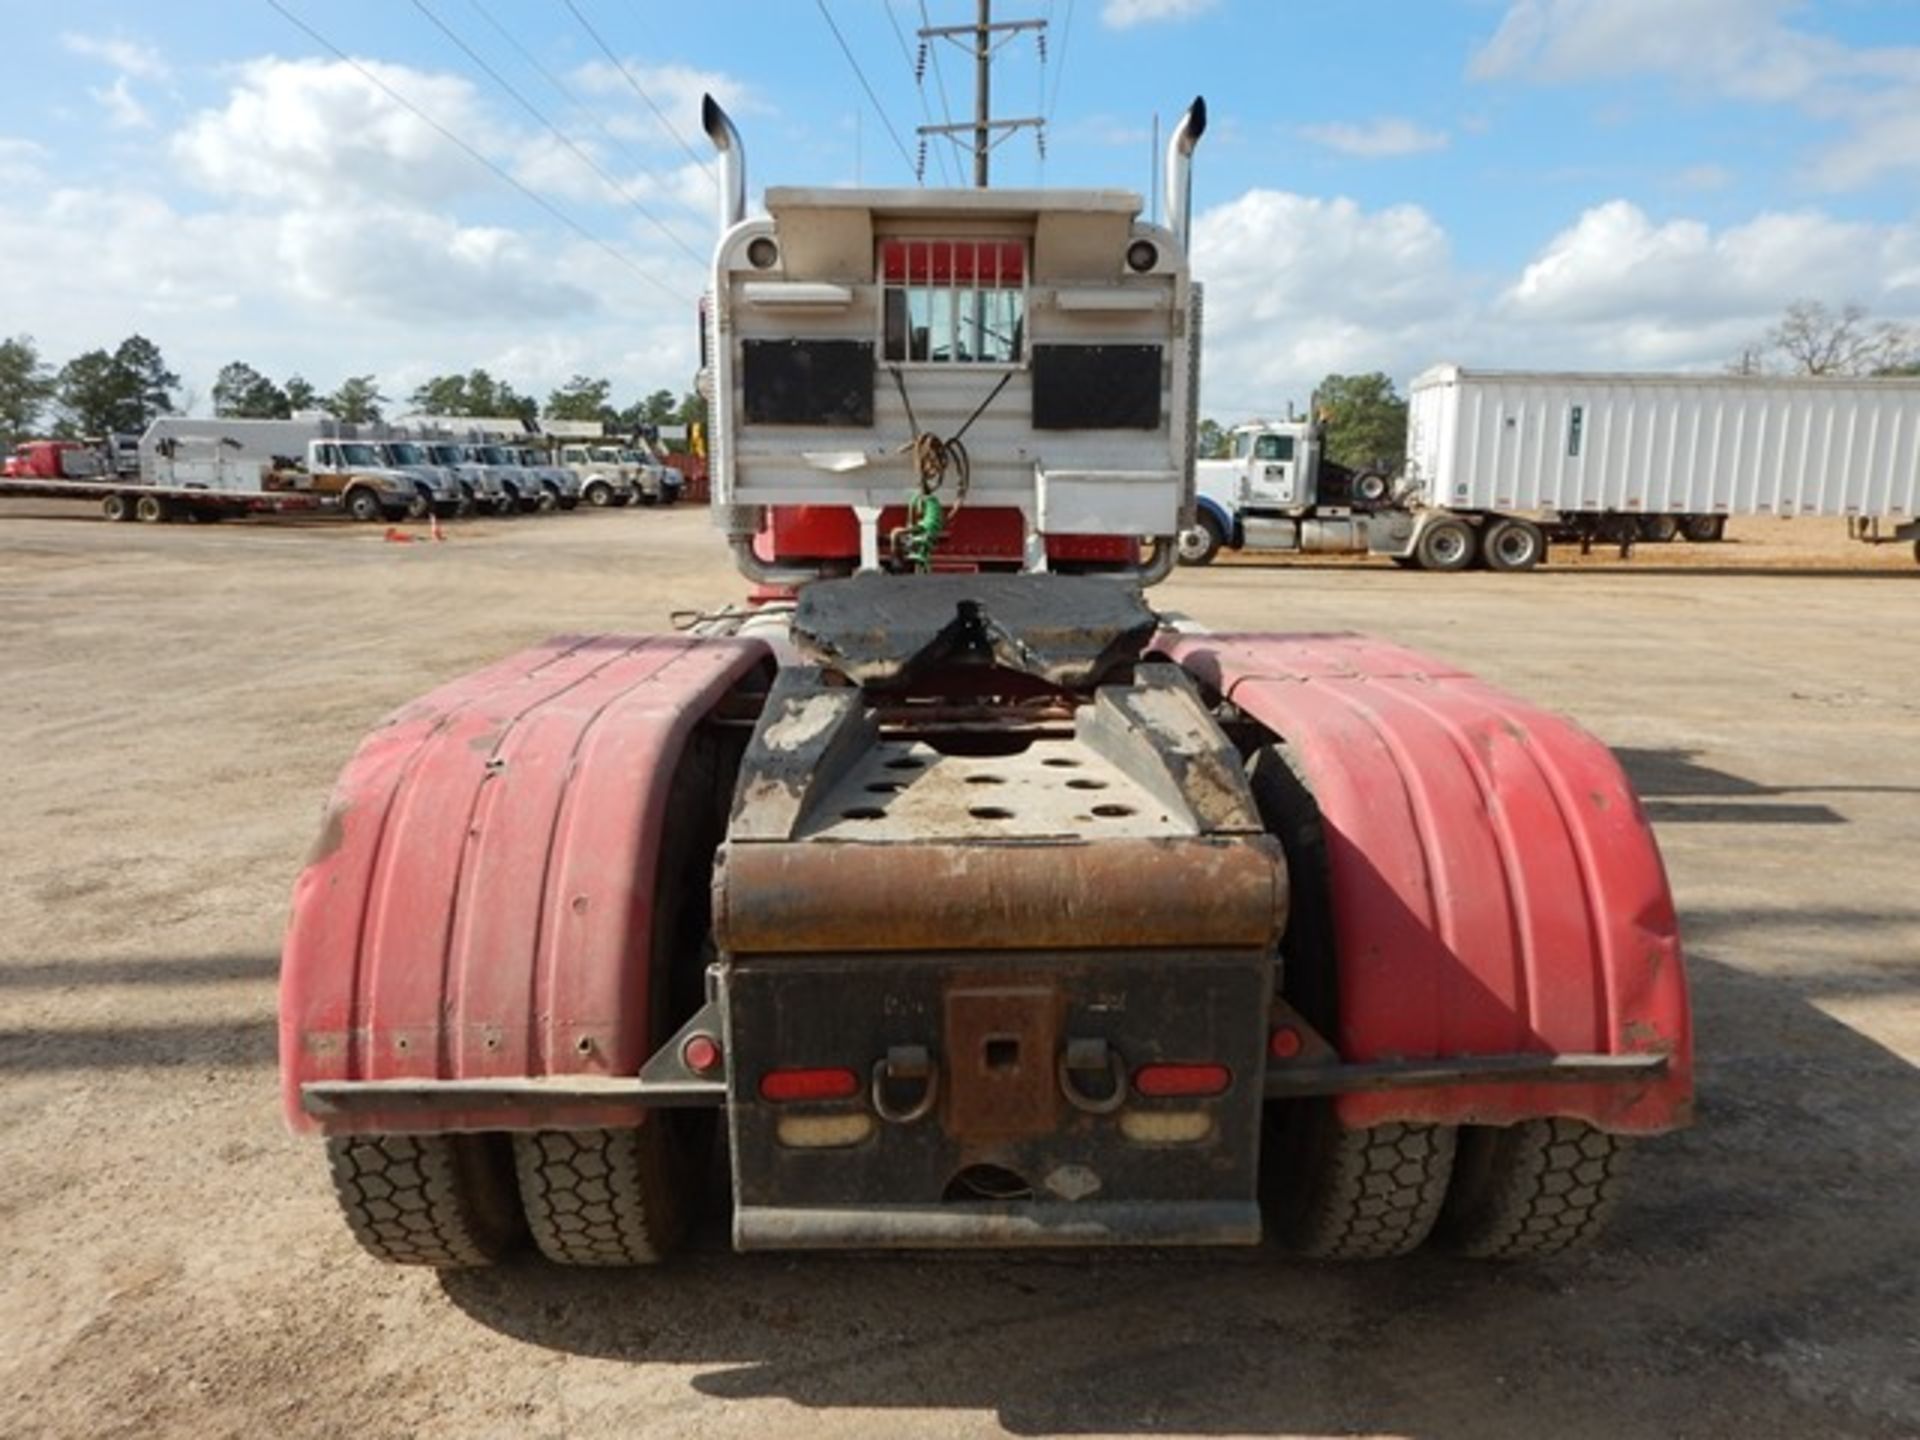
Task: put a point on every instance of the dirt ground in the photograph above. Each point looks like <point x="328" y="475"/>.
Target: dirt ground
<point x="176" y="700"/>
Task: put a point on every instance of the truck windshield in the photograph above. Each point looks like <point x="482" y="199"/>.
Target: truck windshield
<point x="632" y="457"/>
<point x="1242" y="444"/>
<point x="492" y="454"/>
<point x="606" y="455"/>
<point x="407" y="454"/>
<point x="360" y="454"/>
<point x="446" y="454"/>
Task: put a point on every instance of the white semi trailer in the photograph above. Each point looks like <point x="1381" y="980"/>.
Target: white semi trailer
<point x="1499" y="460"/>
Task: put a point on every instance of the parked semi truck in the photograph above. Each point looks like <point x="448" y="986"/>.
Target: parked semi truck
<point x="962" y="902"/>
<point x="1500" y="462"/>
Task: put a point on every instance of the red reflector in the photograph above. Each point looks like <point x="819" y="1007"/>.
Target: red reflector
<point x="1285" y="1043"/>
<point x="1157" y="1080"/>
<point x="700" y="1054"/>
<point x="808" y="1084"/>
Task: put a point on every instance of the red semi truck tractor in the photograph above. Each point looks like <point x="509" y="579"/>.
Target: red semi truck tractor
<point x="962" y="897"/>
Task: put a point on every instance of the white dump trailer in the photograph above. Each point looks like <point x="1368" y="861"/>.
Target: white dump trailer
<point x="1499" y="462"/>
<point x="1584" y="450"/>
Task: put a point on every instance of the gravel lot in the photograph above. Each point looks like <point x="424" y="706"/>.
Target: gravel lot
<point x="176" y="701"/>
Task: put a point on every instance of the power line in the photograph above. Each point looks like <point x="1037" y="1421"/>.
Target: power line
<point x="621" y="66"/>
<point x="557" y="133"/>
<point x="1066" y="39"/>
<point x="545" y="204"/>
<point x="567" y="90"/>
<point x="939" y="75"/>
<point x="861" y="75"/>
<point x="920" y="85"/>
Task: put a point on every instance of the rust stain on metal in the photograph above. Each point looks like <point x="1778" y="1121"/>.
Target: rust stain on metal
<point x="1118" y="894"/>
<point x="333" y="834"/>
<point x="1639" y="1034"/>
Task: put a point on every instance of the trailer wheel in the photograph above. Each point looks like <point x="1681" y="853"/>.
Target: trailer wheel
<point x="598" y="494"/>
<point x="440" y="1200"/>
<point x="1446" y="544"/>
<point x="1513" y="545"/>
<point x="150" y="510"/>
<point x="1198" y="544"/>
<point x="1703" y="529"/>
<point x="1659" y="529"/>
<point x="1330" y="1192"/>
<point x="1532" y="1189"/>
<point x="115" y="507"/>
<point x="625" y="1197"/>
<point x="364" y="505"/>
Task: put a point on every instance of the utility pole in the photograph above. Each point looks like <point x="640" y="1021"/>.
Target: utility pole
<point x="984" y="38"/>
<point x="982" y="84"/>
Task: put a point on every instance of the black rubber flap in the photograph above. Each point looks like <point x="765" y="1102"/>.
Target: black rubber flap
<point x="882" y="630"/>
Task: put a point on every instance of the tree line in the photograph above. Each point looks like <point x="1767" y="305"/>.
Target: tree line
<point x="123" y="390"/>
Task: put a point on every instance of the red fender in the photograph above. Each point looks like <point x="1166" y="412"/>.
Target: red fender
<point x="1495" y="883"/>
<point x="480" y="902"/>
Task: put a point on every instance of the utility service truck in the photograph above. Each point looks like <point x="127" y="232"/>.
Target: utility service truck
<point x="1498" y="462"/>
<point x="188" y="478"/>
<point x="964" y="901"/>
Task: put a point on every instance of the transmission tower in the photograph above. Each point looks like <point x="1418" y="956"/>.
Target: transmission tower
<point x="983" y="40"/>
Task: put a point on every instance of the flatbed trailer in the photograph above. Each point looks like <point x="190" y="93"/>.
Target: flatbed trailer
<point x="120" y="498"/>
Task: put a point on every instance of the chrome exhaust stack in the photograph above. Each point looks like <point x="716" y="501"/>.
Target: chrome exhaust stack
<point x="1185" y="136"/>
<point x="733" y="161"/>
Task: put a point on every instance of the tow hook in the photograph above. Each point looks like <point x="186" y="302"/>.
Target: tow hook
<point x="1089" y="1057"/>
<point x="903" y="1064"/>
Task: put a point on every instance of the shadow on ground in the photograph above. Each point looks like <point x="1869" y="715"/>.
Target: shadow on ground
<point x="1758" y="1282"/>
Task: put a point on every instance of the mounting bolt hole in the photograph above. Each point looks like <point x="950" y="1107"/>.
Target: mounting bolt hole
<point x="864" y="812"/>
<point x="885" y="787"/>
<point x="990" y="812"/>
<point x="986" y="780"/>
<point x="1112" y="812"/>
<point x="1083" y="782"/>
<point x="1061" y="762"/>
<point x="906" y="762"/>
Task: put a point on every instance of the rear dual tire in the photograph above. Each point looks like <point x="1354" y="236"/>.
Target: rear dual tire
<point x="441" y="1200"/>
<point x="1523" y="1191"/>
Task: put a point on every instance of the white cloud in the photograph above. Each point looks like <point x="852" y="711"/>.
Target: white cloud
<point x="20" y="161"/>
<point x="1125" y="14"/>
<point x="319" y="130"/>
<point x="124" y="112"/>
<point x="129" y="57"/>
<point x="1740" y="50"/>
<point x="1376" y="139"/>
<point x="1297" y="286"/>
<point x="1615" y="264"/>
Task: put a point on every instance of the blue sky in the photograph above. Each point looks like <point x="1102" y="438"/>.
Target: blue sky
<point x="1595" y="183"/>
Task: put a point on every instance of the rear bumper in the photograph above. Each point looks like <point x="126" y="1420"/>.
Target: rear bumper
<point x="1007" y="1227"/>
